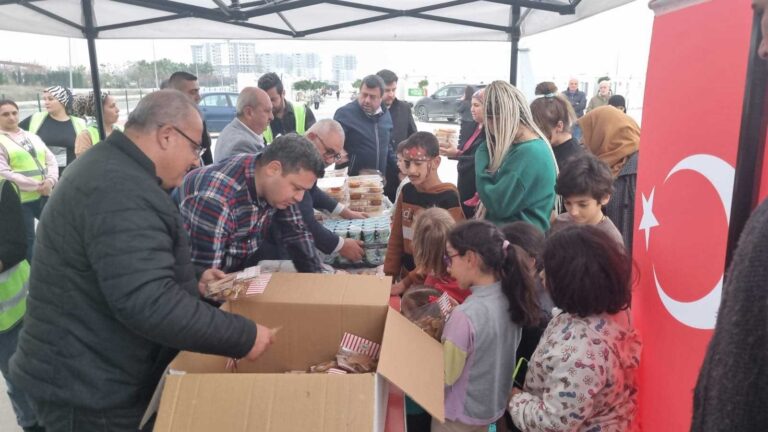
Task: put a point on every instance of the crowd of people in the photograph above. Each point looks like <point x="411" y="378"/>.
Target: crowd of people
<point x="533" y="244"/>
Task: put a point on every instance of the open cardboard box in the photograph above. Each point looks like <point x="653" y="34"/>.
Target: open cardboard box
<point x="314" y="311"/>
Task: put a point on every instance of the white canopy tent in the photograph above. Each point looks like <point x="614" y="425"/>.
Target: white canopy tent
<point x="359" y="20"/>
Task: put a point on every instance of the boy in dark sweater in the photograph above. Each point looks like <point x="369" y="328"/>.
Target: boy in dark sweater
<point x="418" y="158"/>
<point x="586" y="184"/>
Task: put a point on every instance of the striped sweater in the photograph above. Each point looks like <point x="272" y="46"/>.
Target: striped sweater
<point x="410" y="202"/>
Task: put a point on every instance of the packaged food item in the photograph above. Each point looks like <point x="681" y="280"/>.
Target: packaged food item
<point x="428" y="308"/>
<point x="446" y="137"/>
<point x="323" y="367"/>
<point x="233" y="285"/>
<point x="357" y="354"/>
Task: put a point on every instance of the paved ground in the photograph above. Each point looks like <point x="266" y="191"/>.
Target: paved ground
<point x="447" y="173"/>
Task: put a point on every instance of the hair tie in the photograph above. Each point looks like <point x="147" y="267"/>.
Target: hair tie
<point x="505" y="245"/>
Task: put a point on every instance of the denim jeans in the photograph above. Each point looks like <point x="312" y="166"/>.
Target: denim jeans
<point x="64" y="418"/>
<point x="31" y="211"/>
<point x="25" y="413"/>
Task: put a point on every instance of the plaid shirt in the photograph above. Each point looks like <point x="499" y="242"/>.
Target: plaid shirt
<point x="227" y="221"/>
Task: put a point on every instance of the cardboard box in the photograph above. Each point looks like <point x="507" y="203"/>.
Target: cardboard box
<point x="314" y="310"/>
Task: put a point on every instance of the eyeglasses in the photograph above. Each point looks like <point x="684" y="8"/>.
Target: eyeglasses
<point x="448" y="259"/>
<point x="328" y="153"/>
<point x="196" y="147"/>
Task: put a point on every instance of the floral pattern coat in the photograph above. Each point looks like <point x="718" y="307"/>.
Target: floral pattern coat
<point x="581" y="376"/>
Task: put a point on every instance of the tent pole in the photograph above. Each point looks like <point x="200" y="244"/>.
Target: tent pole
<point x="90" y="34"/>
<point x="751" y="150"/>
<point x="515" y="43"/>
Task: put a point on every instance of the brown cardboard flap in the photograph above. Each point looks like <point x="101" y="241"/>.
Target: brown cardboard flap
<point x="324" y="289"/>
<point x="413" y="361"/>
<point x="267" y="402"/>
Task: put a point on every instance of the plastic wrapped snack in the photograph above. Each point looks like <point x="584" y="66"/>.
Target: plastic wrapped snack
<point x="357" y="354"/>
<point x="233" y="285"/>
<point x="428" y="308"/>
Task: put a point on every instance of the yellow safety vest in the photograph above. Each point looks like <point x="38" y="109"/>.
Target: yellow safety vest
<point x="22" y="162"/>
<point x="94" y="132"/>
<point x="39" y="117"/>
<point x="300" y="114"/>
<point x="13" y="291"/>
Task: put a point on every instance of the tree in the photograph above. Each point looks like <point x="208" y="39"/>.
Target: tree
<point x="423" y="83"/>
<point x="356" y="85"/>
<point x="302" y="85"/>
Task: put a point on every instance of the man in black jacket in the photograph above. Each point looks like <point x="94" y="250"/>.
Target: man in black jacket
<point x="113" y="295"/>
<point x="403" y="124"/>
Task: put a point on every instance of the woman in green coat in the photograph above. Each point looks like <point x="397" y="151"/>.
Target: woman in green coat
<point x="516" y="170"/>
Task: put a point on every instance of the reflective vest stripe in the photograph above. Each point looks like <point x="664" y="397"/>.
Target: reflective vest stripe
<point x="39" y="117"/>
<point x="94" y="132"/>
<point x="21" y="162"/>
<point x="14" y="287"/>
<point x="300" y="114"/>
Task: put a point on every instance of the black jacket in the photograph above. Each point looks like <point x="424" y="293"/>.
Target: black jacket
<point x="466" y="173"/>
<point x="113" y="294"/>
<point x="13" y="239"/>
<point x="403" y="124"/>
<point x="732" y="390"/>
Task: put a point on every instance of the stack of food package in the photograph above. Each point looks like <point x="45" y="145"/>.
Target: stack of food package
<point x="446" y="137"/>
<point x="366" y="194"/>
<point x="335" y="185"/>
<point x="373" y="232"/>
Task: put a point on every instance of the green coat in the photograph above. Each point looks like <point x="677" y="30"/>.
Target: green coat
<point x="523" y="188"/>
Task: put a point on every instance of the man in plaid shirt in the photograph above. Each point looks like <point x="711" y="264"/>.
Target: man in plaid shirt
<point x="227" y="207"/>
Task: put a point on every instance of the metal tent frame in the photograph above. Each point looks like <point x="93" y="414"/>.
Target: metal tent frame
<point x="238" y="14"/>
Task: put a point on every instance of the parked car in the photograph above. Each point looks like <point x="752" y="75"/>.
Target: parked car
<point x="442" y="103"/>
<point x="218" y="109"/>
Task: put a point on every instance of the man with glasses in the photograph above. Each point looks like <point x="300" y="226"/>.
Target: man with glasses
<point x="228" y="208"/>
<point x="328" y="137"/>
<point x="244" y="133"/>
<point x="113" y="295"/>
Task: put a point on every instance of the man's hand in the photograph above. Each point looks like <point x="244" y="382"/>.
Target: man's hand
<point x="349" y="214"/>
<point x="352" y="250"/>
<point x="451" y="151"/>
<point x="264" y="338"/>
<point x="207" y="277"/>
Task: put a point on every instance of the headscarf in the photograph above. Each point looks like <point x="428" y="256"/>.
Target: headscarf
<point x="62" y="94"/>
<point x="610" y="135"/>
<point x="85" y="105"/>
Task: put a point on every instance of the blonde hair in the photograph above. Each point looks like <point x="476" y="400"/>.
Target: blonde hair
<point x="505" y="111"/>
<point x="430" y="234"/>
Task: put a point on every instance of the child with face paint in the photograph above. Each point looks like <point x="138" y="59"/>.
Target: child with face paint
<point x="418" y="158"/>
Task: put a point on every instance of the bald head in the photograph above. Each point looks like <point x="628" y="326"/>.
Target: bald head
<point x="328" y="136"/>
<point x="254" y="109"/>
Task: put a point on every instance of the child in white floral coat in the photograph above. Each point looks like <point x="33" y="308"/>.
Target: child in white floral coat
<point x="582" y="375"/>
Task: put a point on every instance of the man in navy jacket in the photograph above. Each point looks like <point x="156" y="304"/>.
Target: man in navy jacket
<point x="368" y="129"/>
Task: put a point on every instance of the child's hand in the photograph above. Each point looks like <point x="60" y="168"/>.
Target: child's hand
<point x="397" y="288"/>
<point x="515" y="391"/>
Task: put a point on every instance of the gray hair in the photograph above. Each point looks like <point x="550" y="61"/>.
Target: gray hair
<point x="160" y="107"/>
<point x="325" y="126"/>
<point x="249" y="97"/>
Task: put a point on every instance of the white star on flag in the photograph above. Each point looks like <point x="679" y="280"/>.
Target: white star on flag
<point x="648" y="220"/>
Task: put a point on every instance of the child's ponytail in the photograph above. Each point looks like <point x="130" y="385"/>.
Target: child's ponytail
<point x="505" y="262"/>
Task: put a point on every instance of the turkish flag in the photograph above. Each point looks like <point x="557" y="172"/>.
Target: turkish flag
<point x="691" y="118"/>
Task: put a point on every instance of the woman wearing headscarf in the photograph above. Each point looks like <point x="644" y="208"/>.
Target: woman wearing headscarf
<point x="614" y="138"/>
<point x="85" y="107"/>
<point x="516" y="170"/>
<point x="55" y="126"/>
<point x="465" y="154"/>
